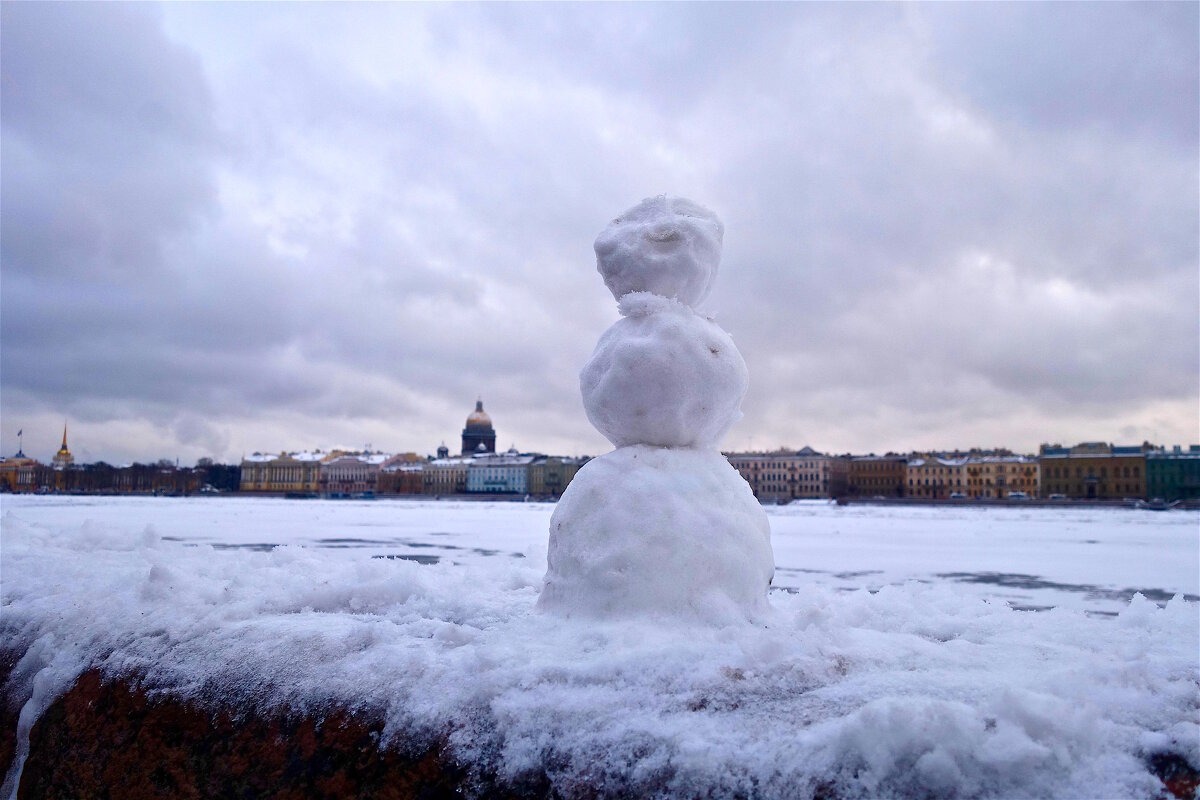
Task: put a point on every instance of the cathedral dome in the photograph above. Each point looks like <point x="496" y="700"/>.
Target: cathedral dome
<point x="479" y="418"/>
<point x="478" y="436"/>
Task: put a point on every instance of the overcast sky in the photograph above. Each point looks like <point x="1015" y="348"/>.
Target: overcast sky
<point x="230" y="228"/>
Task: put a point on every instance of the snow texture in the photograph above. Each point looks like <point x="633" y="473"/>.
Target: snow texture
<point x="668" y="246"/>
<point x="663" y="376"/>
<point x="659" y="532"/>
<point x="912" y="691"/>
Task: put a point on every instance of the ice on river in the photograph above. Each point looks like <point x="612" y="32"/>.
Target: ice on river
<point x="901" y="657"/>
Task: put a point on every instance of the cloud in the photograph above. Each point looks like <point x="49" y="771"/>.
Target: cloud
<point x="243" y="229"/>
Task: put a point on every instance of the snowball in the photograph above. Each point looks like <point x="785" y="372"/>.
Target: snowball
<point x="666" y="245"/>
<point x="659" y="532"/>
<point x="663" y="376"/>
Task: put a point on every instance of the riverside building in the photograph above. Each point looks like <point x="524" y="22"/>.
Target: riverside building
<point x="1093" y="471"/>
<point x="499" y="473"/>
<point x="997" y="477"/>
<point x="784" y="475"/>
<point x="444" y="476"/>
<point x="286" y="473"/>
<point x="935" y="477"/>
<point x="402" y="474"/>
<point x="351" y="475"/>
<point x="1173" y="474"/>
<point x="878" y="476"/>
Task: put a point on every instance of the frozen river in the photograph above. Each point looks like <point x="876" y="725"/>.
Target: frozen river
<point x="1090" y="559"/>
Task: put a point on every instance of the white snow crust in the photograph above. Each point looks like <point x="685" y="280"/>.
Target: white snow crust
<point x="914" y="690"/>
<point x="634" y="516"/>
<point x="663" y="375"/>
<point x="669" y="246"/>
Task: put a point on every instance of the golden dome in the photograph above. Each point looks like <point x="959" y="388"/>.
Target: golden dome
<point x="479" y="417"/>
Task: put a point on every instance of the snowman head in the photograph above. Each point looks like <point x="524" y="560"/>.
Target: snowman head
<point x="669" y="246"/>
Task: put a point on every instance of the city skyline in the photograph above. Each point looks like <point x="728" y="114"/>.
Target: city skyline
<point x="234" y="228"/>
<point x="369" y="447"/>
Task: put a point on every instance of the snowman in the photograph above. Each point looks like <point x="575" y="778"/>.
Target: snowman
<point x="662" y="526"/>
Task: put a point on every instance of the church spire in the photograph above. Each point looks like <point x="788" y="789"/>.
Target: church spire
<point x="63" y="458"/>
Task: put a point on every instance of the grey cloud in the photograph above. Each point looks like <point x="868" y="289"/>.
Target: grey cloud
<point x="345" y="237"/>
<point x="1127" y="68"/>
<point x="107" y="136"/>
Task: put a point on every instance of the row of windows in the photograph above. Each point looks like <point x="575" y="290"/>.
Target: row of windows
<point x="791" y="465"/>
<point x="279" y="473"/>
<point x="1065" y="472"/>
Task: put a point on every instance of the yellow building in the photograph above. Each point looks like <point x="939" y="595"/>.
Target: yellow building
<point x="549" y="476"/>
<point x="935" y="477"/>
<point x="1093" y="471"/>
<point x="444" y="476"/>
<point x="16" y="473"/>
<point x="286" y="473"/>
<point x="997" y="477"/>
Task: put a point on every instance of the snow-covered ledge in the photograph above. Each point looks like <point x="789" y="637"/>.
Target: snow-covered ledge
<point x="909" y="691"/>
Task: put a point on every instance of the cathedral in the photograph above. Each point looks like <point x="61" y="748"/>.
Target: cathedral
<point x="478" y="436"/>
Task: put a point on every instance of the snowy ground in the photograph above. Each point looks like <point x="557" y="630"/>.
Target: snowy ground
<point x="935" y="681"/>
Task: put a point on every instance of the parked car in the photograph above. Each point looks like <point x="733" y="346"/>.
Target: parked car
<point x="1018" y="496"/>
<point x="958" y="496"/>
<point x="1057" y="496"/>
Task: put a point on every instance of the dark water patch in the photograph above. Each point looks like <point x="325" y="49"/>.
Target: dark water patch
<point x="846" y="576"/>
<point x="1017" y="580"/>
<point x="801" y="569"/>
<point x="1028" y="607"/>
<point x="1012" y="580"/>
<point x="257" y="547"/>
<point x="1158" y="596"/>
<point x="418" y="558"/>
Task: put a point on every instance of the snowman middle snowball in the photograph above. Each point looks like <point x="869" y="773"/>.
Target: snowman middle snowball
<point x="663" y="376"/>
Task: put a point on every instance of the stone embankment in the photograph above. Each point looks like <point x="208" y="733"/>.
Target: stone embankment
<point x="107" y="738"/>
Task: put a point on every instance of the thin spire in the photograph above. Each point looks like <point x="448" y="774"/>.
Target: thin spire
<point x="64" y="435"/>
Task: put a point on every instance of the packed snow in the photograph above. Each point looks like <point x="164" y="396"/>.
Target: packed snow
<point x="637" y="513"/>
<point x="668" y="246"/>
<point x="893" y="660"/>
<point x="663" y="375"/>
